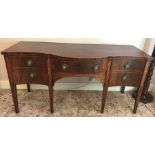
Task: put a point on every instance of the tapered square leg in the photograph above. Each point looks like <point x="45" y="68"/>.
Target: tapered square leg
<point x="140" y="89"/>
<point x="137" y="100"/>
<point x="122" y="89"/>
<point x="28" y="87"/>
<point x="104" y="96"/>
<point x="51" y="98"/>
<point x="135" y="108"/>
<point x="105" y="86"/>
<point x="14" y="96"/>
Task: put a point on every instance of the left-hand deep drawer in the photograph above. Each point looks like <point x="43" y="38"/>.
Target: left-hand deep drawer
<point x="31" y="76"/>
<point x="29" y="61"/>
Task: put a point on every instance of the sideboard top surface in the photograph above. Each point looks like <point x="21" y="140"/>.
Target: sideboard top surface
<point x="76" y="50"/>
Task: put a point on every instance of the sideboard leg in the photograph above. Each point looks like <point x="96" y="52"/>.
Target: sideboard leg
<point x="104" y="96"/>
<point x="122" y="89"/>
<point x="50" y="83"/>
<point x="14" y="96"/>
<point x="105" y="86"/>
<point x="137" y="100"/>
<point x="51" y="98"/>
<point x="141" y="87"/>
<point x="146" y="97"/>
<point x="28" y="87"/>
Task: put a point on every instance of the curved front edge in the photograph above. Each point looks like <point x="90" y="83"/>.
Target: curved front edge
<point x="72" y="67"/>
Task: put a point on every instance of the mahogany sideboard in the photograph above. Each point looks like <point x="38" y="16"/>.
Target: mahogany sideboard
<point x="45" y="63"/>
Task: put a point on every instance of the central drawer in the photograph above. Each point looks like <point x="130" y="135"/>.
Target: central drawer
<point x="78" y="66"/>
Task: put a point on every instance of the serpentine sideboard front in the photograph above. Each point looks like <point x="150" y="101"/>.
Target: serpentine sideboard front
<point x="45" y="63"/>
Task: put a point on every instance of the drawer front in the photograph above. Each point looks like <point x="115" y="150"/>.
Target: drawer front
<point x="29" y="61"/>
<point x="125" y="79"/>
<point x="78" y="66"/>
<point x="31" y="76"/>
<point x="128" y="64"/>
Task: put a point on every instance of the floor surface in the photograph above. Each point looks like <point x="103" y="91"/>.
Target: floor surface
<point x="72" y="104"/>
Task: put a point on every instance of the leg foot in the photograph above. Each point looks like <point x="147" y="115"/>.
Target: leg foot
<point x="17" y="110"/>
<point x="14" y="96"/>
<point x="122" y="89"/>
<point x="135" y="108"/>
<point x="51" y="98"/>
<point x="104" y="96"/>
<point x="28" y="88"/>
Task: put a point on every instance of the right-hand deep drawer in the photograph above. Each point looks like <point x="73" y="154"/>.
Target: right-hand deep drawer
<point x="128" y="64"/>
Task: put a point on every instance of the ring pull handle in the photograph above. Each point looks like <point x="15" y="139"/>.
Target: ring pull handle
<point x="64" y="67"/>
<point x="32" y="76"/>
<point x="127" y="66"/>
<point x="124" y="77"/>
<point x="29" y="63"/>
<point x="96" y="68"/>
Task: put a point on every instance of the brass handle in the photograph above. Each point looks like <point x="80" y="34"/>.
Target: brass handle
<point x="124" y="77"/>
<point x="32" y="76"/>
<point x="29" y="63"/>
<point x="127" y="66"/>
<point x="96" y="68"/>
<point x="64" y="67"/>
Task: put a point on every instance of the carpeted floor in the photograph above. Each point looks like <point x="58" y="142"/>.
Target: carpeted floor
<point x="71" y="104"/>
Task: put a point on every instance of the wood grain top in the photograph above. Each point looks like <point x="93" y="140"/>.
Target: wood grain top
<point x="76" y="50"/>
